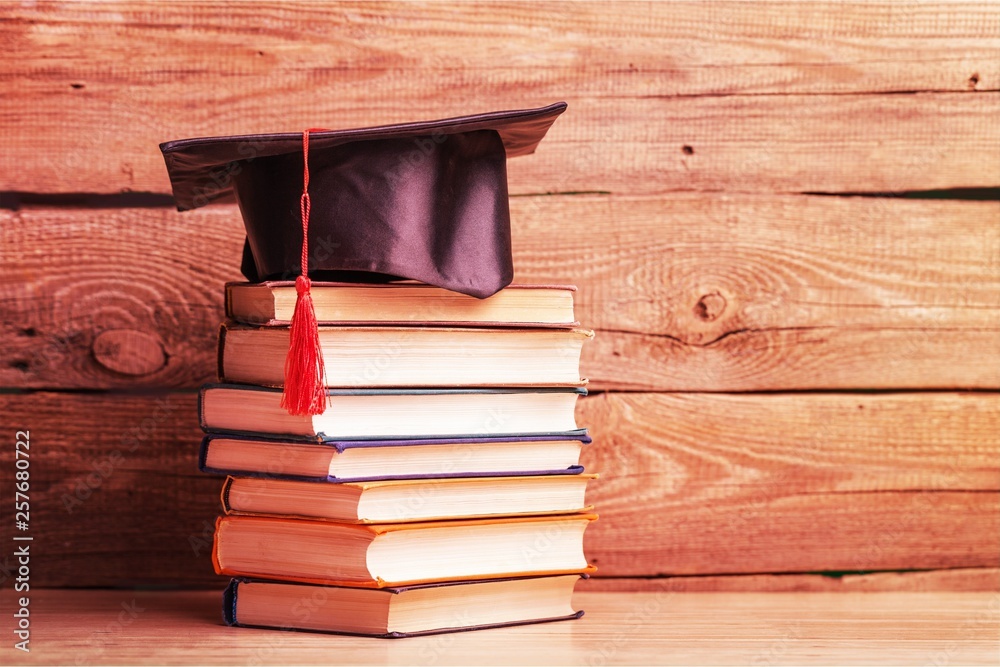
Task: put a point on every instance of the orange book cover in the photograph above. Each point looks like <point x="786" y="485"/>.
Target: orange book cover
<point x="368" y="533"/>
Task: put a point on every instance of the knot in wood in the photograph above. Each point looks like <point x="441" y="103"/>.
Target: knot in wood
<point x="710" y="307"/>
<point x="129" y="352"/>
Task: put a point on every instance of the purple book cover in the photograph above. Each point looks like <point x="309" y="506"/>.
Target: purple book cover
<point x="341" y="445"/>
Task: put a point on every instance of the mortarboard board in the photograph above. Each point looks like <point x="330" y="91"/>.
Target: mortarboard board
<point x="425" y="201"/>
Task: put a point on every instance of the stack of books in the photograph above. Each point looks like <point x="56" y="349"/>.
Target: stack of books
<point x="441" y="488"/>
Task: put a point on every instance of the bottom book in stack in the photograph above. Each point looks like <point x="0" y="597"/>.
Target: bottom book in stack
<point x="397" y="557"/>
<point x="399" y="611"/>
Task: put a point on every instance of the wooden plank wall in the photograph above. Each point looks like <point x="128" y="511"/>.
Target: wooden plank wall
<point x="783" y="219"/>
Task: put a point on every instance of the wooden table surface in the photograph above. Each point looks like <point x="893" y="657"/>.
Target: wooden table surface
<point x="79" y="627"/>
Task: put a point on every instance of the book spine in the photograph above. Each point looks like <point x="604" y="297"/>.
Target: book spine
<point x="229" y="603"/>
<point x="201" y="408"/>
<point x="203" y="452"/>
<point x="215" y="547"/>
<point x="229" y="301"/>
<point x="220" y="364"/>
<point x="225" y="495"/>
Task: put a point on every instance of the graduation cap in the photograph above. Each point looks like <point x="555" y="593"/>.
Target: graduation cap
<point x="423" y="201"/>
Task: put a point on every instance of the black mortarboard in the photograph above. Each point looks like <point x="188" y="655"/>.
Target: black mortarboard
<point x="425" y="201"/>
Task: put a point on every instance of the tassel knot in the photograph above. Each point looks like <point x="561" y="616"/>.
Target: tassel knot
<point x="302" y="287"/>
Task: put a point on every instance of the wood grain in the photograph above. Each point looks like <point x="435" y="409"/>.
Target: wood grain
<point x="697" y="128"/>
<point x="868" y="481"/>
<point x="691" y="484"/>
<point x="72" y="278"/>
<point x="657" y="628"/>
<point x="969" y="580"/>
<point x="663" y="97"/>
<point x="687" y="293"/>
<point x="116" y="496"/>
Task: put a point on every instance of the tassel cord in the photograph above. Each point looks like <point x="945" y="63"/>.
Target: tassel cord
<point x="305" y="373"/>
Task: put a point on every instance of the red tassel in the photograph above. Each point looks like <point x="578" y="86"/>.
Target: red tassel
<point x="305" y="389"/>
<point x="305" y="373"/>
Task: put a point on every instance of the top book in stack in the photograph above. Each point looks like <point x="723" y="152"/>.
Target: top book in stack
<point x="272" y="303"/>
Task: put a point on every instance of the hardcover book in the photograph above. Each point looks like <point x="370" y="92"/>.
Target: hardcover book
<point x="395" y="500"/>
<point x="393" y="413"/>
<point x="363" y="460"/>
<point x="410" y="356"/>
<point x="273" y="302"/>
<point x="396" y="554"/>
<point x="401" y="611"/>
